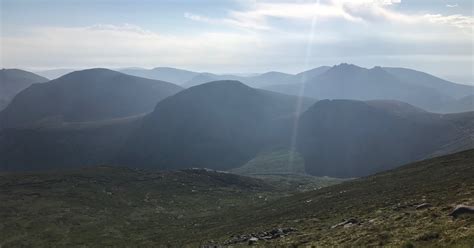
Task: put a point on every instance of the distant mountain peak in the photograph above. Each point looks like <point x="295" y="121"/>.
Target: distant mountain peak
<point x="169" y="69"/>
<point x="95" y="72"/>
<point x="274" y="73"/>
<point x="223" y="84"/>
<point x="346" y="66"/>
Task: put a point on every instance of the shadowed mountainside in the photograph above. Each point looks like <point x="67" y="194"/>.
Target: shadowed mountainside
<point x="348" y="138"/>
<point x="89" y="95"/>
<point x="70" y="145"/>
<point x="218" y="125"/>
<point x="384" y="210"/>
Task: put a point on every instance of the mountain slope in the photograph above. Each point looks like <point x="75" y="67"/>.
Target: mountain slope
<point x="424" y="79"/>
<point x="463" y="104"/>
<point x="118" y="207"/>
<point x="64" y="146"/>
<point x="383" y="208"/>
<point x="172" y="75"/>
<point x="218" y="125"/>
<point x="306" y="75"/>
<point x="107" y="206"/>
<point x="348" y="138"/>
<point x="269" y="78"/>
<point x="13" y="81"/>
<point x="89" y="95"/>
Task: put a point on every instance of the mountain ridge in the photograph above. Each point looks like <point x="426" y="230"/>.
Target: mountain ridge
<point x="88" y="95"/>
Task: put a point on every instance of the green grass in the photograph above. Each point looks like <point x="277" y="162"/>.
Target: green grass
<point x="120" y="207"/>
<point x="273" y="162"/>
<point x="275" y="168"/>
<point x="384" y="203"/>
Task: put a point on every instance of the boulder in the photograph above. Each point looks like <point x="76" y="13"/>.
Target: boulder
<point x="346" y="223"/>
<point x="461" y="209"/>
<point x="252" y="240"/>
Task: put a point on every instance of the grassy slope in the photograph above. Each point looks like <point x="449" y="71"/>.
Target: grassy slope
<point x="273" y="162"/>
<point x="274" y="167"/>
<point x="385" y="203"/>
<point x="118" y="206"/>
<point x="123" y="207"/>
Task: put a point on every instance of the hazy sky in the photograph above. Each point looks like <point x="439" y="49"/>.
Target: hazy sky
<point x="239" y="36"/>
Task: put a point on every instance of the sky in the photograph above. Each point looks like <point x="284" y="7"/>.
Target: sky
<point x="239" y="36"/>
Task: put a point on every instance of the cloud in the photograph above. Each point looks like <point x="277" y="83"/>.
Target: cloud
<point x="239" y="20"/>
<point x="459" y="21"/>
<point x="257" y="36"/>
<point x="452" y="5"/>
<point x="258" y="15"/>
<point x="121" y="45"/>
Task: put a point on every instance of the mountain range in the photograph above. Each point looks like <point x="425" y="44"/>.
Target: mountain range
<point x="100" y="116"/>
<point x="343" y="81"/>
<point x="346" y="81"/>
<point x="188" y="79"/>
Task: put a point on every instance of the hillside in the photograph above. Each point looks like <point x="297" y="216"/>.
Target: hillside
<point x="218" y="125"/>
<point x="424" y="79"/>
<point x="347" y="138"/>
<point x="463" y="104"/>
<point x="89" y="95"/>
<point x="121" y="207"/>
<point x="66" y="145"/>
<point x="385" y="210"/>
<point x="109" y="206"/>
<point x="12" y="81"/>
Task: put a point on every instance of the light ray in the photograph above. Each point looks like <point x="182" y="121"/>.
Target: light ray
<point x="302" y="89"/>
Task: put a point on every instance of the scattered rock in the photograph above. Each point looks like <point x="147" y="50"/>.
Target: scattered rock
<point x="211" y="245"/>
<point x="351" y="221"/>
<point x="254" y="237"/>
<point x="348" y="225"/>
<point x="423" y="206"/>
<point x="461" y="209"/>
<point x="252" y="240"/>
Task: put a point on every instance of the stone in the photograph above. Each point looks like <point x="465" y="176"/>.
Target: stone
<point x="461" y="209"/>
<point x="252" y="240"/>
<point x="423" y="206"/>
<point x="351" y="221"/>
